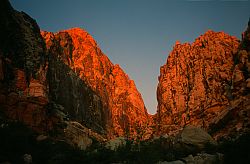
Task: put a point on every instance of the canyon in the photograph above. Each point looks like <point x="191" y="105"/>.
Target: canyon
<point x="62" y="83"/>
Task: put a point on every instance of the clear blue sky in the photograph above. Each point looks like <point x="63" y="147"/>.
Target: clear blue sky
<point x="139" y="34"/>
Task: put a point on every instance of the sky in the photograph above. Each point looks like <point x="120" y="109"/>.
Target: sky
<point x="139" y="34"/>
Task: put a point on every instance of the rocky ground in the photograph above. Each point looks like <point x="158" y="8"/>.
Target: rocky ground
<point x="20" y="144"/>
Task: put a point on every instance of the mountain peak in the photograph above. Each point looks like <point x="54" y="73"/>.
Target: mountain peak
<point x="196" y="85"/>
<point x="117" y="92"/>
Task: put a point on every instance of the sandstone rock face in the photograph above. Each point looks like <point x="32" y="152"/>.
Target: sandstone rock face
<point x="67" y="89"/>
<point x="235" y="120"/>
<point x="196" y="82"/>
<point x="31" y="81"/>
<point x="53" y="77"/>
<point x="49" y="77"/>
<point x="206" y="84"/>
<point x="118" y="101"/>
<point x="22" y="83"/>
<point x="21" y="42"/>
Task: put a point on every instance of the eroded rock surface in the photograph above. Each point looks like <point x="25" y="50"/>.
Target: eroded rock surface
<point x="205" y="84"/>
<point x="53" y="77"/>
<point x="195" y="83"/>
<point x="121" y="104"/>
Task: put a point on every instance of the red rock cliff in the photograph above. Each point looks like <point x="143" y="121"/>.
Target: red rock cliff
<point x="195" y="84"/>
<point x="48" y="78"/>
<point x="124" y="109"/>
<point x="22" y="59"/>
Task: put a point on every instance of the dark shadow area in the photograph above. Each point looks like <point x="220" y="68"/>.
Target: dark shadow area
<point x="236" y="151"/>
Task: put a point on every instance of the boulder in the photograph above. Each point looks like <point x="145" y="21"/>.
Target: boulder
<point x="114" y="144"/>
<point x="172" y="162"/>
<point x="248" y="83"/>
<point x="189" y="159"/>
<point x="204" y="158"/>
<point x="196" y="137"/>
<point x="200" y="158"/>
<point x="27" y="158"/>
<point x="78" y="136"/>
<point x="238" y="75"/>
<point x="41" y="137"/>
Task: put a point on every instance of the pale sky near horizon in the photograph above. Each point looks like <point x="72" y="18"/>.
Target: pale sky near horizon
<point x="139" y="34"/>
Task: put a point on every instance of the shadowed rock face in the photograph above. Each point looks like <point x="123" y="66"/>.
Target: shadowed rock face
<point x="67" y="89"/>
<point x="235" y="121"/>
<point x="21" y="42"/>
<point x="195" y="83"/>
<point x="22" y="80"/>
<point x="122" y="105"/>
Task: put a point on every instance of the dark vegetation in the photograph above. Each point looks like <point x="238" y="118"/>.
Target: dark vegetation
<point x="236" y="151"/>
<point x="16" y="140"/>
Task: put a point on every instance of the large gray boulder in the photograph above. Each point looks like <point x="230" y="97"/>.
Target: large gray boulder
<point x="196" y="137"/>
<point x="78" y="135"/>
<point x="192" y="140"/>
